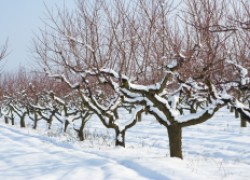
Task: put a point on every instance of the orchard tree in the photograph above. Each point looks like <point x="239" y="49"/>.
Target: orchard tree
<point x="13" y="102"/>
<point x="98" y="98"/>
<point x="237" y="81"/>
<point x="242" y="67"/>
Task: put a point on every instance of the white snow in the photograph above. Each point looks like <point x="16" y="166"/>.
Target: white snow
<point x="243" y="72"/>
<point x="172" y="64"/>
<point x="111" y="71"/>
<point x="126" y="118"/>
<point x="217" y="149"/>
<point x="239" y="105"/>
<point x="188" y="117"/>
<point x="144" y="88"/>
<point x="59" y="100"/>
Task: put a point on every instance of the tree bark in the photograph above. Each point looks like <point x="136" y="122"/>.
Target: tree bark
<point x="35" y="121"/>
<point x="81" y="131"/>
<point x="12" y="119"/>
<point x="236" y="113"/>
<point x="243" y="120"/>
<point x="66" y="125"/>
<point x="175" y="140"/>
<point x="22" y="121"/>
<point x="6" y="120"/>
<point x="50" y="122"/>
<point x="120" y="138"/>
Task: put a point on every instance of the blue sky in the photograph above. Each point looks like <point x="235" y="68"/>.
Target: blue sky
<point x="19" y="21"/>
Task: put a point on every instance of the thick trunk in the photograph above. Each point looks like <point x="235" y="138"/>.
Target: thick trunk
<point x="35" y="124"/>
<point x="66" y="125"/>
<point x="175" y="140"/>
<point x="50" y="123"/>
<point x="35" y="121"/>
<point x="81" y="131"/>
<point x="139" y="117"/>
<point x="22" y="122"/>
<point x="81" y="135"/>
<point x="236" y="113"/>
<point x="6" y="120"/>
<point x="12" y="119"/>
<point x="120" y="138"/>
<point x="193" y="110"/>
<point x="243" y="120"/>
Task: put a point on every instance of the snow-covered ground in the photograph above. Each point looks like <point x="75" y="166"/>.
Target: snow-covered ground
<point x="217" y="149"/>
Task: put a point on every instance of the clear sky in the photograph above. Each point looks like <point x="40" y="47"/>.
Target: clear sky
<point x="19" y="21"/>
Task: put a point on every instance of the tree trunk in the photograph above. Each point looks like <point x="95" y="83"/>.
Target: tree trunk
<point x="6" y="120"/>
<point x="81" y="134"/>
<point x="175" y="140"/>
<point x="12" y="119"/>
<point x="50" y="122"/>
<point x="35" y="121"/>
<point x="22" y="121"/>
<point x="66" y="125"/>
<point x="236" y="113"/>
<point x="120" y="138"/>
<point x="81" y="131"/>
<point x="243" y="120"/>
<point x="192" y="110"/>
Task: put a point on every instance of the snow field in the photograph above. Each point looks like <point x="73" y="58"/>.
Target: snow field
<point x="217" y="149"/>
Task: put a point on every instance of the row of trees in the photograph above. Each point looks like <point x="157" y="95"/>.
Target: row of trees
<point x="180" y="63"/>
<point x="29" y="98"/>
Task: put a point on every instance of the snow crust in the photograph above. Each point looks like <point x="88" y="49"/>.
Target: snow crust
<point x="222" y="154"/>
